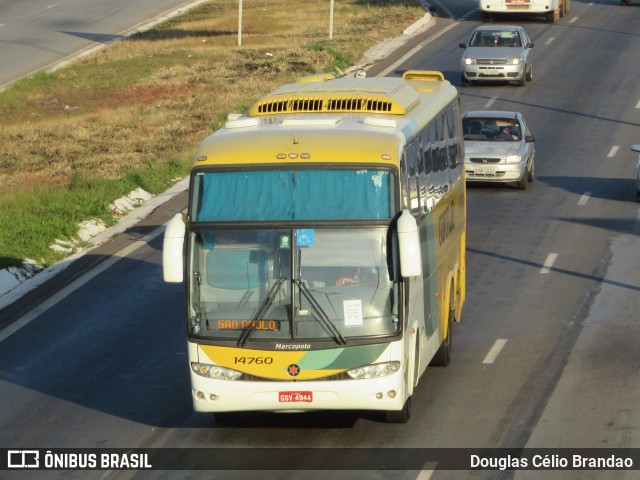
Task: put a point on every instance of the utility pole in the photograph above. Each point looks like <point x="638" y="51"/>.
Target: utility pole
<point x="240" y="23"/>
<point x="330" y="22"/>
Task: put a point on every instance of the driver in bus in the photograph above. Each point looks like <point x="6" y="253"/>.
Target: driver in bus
<point x="358" y="276"/>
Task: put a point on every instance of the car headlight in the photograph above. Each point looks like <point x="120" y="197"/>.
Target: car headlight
<point x="469" y="60"/>
<point x="374" y="371"/>
<point x="515" y="158"/>
<point x="515" y="60"/>
<point x="215" y="371"/>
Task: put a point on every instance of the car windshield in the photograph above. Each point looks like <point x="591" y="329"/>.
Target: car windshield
<point x="495" y="38"/>
<point x="492" y="129"/>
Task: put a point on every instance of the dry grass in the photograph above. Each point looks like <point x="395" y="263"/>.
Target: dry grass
<point x="153" y="97"/>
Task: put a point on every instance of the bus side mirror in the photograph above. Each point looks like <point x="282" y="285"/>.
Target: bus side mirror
<point x="409" y="245"/>
<point x="172" y="259"/>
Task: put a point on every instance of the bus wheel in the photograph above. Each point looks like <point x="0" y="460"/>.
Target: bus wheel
<point x="399" y="416"/>
<point x="226" y="418"/>
<point x="443" y="355"/>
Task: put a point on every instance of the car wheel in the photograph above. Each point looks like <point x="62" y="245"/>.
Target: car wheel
<point x="530" y="73"/>
<point x="624" y="3"/>
<point x="523" y="81"/>
<point x="522" y="183"/>
<point x="464" y="81"/>
<point x="531" y="172"/>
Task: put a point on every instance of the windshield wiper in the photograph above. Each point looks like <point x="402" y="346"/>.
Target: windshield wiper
<point x="264" y="307"/>
<point x="322" y="316"/>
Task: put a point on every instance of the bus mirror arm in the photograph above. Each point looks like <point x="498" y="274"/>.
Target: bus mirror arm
<point x="409" y="245"/>
<point x="172" y="259"/>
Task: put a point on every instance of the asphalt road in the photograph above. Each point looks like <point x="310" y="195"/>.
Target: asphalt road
<point x="548" y="351"/>
<point x="37" y="34"/>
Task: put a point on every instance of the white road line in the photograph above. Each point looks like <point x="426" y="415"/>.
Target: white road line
<point x="584" y="199"/>
<point x="72" y="287"/>
<point x="425" y="474"/>
<point x="549" y="40"/>
<point x="613" y="151"/>
<point x="548" y="263"/>
<point x="495" y="350"/>
<point x="490" y="102"/>
<point x="574" y="19"/>
<point x="417" y="49"/>
<point x="638" y="104"/>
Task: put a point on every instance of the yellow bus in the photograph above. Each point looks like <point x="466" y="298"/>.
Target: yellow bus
<point x="325" y="247"/>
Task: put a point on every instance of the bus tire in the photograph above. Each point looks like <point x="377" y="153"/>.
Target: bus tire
<point x="399" y="416"/>
<point x="442" y="358"/>
<point x="226" y="418"/>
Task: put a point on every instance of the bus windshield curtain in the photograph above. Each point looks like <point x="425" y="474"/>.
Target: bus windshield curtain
<point x="286" y="195"/>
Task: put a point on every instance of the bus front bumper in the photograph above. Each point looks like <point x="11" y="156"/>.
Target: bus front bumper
<point x="386" y="393"/>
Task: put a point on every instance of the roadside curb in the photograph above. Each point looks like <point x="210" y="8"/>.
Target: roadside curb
<point x="132" y="218"/>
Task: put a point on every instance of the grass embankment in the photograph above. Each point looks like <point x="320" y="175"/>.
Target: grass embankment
<point x="132" y="114"/>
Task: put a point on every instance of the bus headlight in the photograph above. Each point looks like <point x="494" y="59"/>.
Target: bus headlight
<point x="215" y="371"/>
<point x="515" y="158"/>
<point x="374" y="371"/>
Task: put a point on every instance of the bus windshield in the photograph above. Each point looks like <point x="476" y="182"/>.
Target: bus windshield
<point x="292" y="284"/>
<point x="293" y="195"/>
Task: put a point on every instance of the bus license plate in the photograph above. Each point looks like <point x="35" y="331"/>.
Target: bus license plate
<point x="295" y="396"/>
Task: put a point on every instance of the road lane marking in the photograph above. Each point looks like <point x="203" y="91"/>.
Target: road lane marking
<point x="72" y="287"/>
<point x="417" y="49"/>
<point x="495" y="350"/>
<point x="490" y="102"/>
<point x="584" y="199"/>
<point x="548" y="263"/>
<point x="638" y="104"/>
<point x="551" y="39"/>
<point x="574" y="19"/>
<point x="613" y="151"/>
<point x="425" y="474"/>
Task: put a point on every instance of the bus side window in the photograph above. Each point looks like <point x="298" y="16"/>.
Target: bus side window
<point x="412" y="152"/>
<point x="454" y="140"/>
<point x="404" y="191"/>
<point x="426" y="196"/>
<point x="404" y="183"/>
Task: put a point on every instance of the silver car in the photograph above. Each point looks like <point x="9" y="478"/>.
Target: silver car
<point x="636" y="148"/>
<point x="497" y="53"/>
<point x="498" y="147"/>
